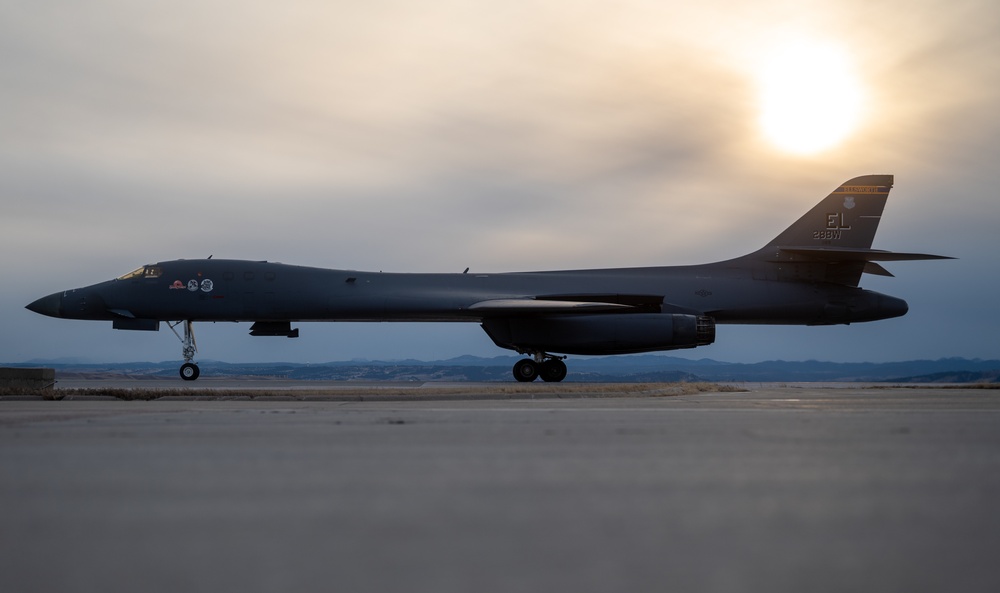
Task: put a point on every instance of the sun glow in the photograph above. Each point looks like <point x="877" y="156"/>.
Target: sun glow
<point x="810" y="98"/>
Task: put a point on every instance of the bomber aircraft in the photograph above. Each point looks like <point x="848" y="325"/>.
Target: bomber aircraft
<point x="807" y="275"/>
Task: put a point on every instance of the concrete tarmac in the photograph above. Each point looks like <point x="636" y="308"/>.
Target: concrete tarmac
<point x="793" y="489"/>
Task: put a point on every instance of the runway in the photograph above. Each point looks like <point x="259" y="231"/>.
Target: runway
<point x="777" y="489"/>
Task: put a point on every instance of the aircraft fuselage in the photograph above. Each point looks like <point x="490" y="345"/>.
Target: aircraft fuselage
<point x="237" y="290"/>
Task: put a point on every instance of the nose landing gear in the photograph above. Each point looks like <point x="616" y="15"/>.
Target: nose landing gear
<point x="547" y="366"/>
<point x="189" y="370"/>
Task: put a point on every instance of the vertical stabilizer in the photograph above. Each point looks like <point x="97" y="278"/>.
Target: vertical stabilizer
<point x="845" y="219"/>
<point x="832" y="242"/>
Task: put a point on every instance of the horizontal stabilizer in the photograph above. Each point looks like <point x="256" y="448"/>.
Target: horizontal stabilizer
<point x="857" y="255"/>
<point x="841" y="265"/>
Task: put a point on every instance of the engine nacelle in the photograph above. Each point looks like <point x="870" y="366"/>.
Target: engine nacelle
<point x="601" y="334"/>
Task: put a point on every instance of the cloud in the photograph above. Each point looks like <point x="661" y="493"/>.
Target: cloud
<point x="438" y="135"/>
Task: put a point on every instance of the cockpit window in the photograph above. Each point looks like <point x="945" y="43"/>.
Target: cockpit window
<point x="143" y="272"/>
<point x="133" y="274"/>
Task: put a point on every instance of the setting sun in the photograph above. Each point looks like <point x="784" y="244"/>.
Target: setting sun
<point x="810" y="98"/>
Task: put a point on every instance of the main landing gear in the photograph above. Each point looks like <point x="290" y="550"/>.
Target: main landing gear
<point x="550" y="368"/>
<point x="189" y="370"/>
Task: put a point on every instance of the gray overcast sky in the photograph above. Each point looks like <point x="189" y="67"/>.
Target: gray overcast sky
<point x="524" y="135"/>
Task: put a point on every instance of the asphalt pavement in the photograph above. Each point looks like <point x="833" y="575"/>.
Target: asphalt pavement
<point x="783" y="489"/>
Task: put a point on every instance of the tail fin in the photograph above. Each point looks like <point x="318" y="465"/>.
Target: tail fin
<point x="832" y="242"/>
<point x="847" y="218"/>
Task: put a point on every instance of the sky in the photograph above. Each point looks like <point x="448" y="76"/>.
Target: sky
<point x="524" y="135"/>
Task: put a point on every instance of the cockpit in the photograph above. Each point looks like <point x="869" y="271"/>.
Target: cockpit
<point x="143" y="272"/>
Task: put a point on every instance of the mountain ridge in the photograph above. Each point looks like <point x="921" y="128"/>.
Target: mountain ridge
<point x="634" y="368"/>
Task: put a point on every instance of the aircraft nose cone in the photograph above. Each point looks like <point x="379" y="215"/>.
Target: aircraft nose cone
<point x="50" y="305"/>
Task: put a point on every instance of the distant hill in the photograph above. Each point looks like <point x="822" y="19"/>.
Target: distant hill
<point x="954" y="377"/>
<point x="636" y="368"/>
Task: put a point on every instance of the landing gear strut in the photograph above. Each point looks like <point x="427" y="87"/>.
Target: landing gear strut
<point x="550" y="368"/>
<point x="189" y="370"/>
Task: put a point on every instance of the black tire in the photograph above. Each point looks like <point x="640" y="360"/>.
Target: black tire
<point x="552" y="370"/>
<point x="190" y="371"/>
<point x="525" y="370"/>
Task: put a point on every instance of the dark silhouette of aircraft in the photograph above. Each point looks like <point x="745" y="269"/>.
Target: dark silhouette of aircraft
<point x="808" y="275"/>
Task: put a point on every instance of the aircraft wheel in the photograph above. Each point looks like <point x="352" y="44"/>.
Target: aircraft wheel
<point x="525" y="370"/>
<point x="190" y="371"/>
<point x="553" y="370"/>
